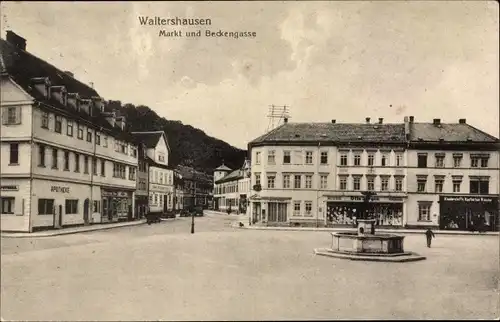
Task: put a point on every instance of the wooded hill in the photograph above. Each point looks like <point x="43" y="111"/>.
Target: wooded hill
<point x="189" y="146"/>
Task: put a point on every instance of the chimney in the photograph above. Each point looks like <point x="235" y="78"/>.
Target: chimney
<point x="16" y="40"/>
<point x="367" y="120"/>
<point x="69" y="73"/>
<point x="436" y="121"/>
<point x="462" y="121"/>
<point x="120" y="121"/>
<point x="285" y="120"/>
<point x="407" y="128"/>
<point x="334" y="121"/>
<point x="412" y="118"/>
<point x="42" y="85"/>
<point x="380" y="120"/>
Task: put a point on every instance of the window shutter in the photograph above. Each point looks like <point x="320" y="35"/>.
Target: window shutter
<point x="4" y="115"/>
<point x="18" y="114"/>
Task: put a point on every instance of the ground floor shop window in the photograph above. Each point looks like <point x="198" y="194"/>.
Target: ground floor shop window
<point x="45" y="206"/>
<point x="424" y="211"/>
<point x="71" y="206"/>
<point x="473" y="217"/>
<point x="345" y="213"/>
<point x="7" y="204"/>
<point x="277" y="212"/>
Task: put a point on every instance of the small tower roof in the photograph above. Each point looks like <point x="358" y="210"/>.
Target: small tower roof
<point x="223" y="167"/>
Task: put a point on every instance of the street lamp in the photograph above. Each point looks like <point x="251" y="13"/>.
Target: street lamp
<point x="194" y="196"/>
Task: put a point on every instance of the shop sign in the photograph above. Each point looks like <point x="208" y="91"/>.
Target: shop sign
<point x="334" y="198"/>
<point x="467" y="199"/>
<point x="121" y="194"/>
<point x="159" y="188"/>
<point x="59" y="189"/>
<point x="9" y="188"/>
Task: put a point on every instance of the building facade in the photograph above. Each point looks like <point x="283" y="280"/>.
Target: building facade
<point x="197" y="187"/>
<point x="64" y="161"/>
<point x="142" y="184"/>
<point x="232" y="189"/>
<point x="316" y="174"/>
<point x="161" y="175"/>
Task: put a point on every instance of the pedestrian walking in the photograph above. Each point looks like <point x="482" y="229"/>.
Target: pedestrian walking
<point x="429" y="235"/>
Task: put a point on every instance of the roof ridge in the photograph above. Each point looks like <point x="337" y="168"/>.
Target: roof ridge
<point x="265" y="135"/>
<point x="481" y="131"/>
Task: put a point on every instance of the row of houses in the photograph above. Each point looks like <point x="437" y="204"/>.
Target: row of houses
<point x="67" y="159"/>
<point x="421" y="174"/>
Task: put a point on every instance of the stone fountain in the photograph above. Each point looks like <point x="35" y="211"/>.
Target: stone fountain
<point x="367" y="245"/>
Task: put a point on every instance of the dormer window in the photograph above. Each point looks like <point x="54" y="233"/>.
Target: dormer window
<point x="64" y="98"/>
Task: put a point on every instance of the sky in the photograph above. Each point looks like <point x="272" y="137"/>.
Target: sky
<point x="325" y="60"/>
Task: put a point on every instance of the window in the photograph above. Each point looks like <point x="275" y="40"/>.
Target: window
<point x="309" y="157"/>
<point x="257" y="178"/>
<point x="399" y="159"/>
<point x="71" y="207"/>
<point x="45" y="120"/>
<point x="103" y="168"/>
<point x="287" y="157"/>
<point x="98" y="138"/>
<point x="398" y="183"/>
<point x="54" y="158"/>
<point x="131" y="173"/>
<point x="296" y="208"/>
<point x="77" y="162"/>
<point x="14" y="154"/>
<point x="45" y="206"/>
<point x="134" y="152"/>
<point x="438" y="185"/>
<point x="370" y="183"/>
<point x="308" y="208"/>
<point x="424" y="212"/>
<point x="94" y="166"/>
<point x="120" y="169"/>
<point x="156" y="198"/>
<point x="80" y="132"/>
<point x="456" y="185"/>
<point x="58" y="124"/>
<point x="286" y="181"/>
<point x="439" y="161"/>
<point x="457" y="161"/>
<point x="11" y="115"/>
<point x="41" y="155"/>
<point x="89" y="135"/>
<point x="384" y="186"/>
<point x="371" y="159"/>
<point x="97" y="205"/>
<point x="161" y="157"/>
<point x="257" y="157"/>
<point x="297" y="180"/>
<point x="323" y="181"/>
<point x="271" y="157"/>
<point x="357" y="159"/>
<point x="343" y="159"/>
<point x="85" y="164"/>
<point x="474" y="162"/>
<point x="422" y="160"/>
<point x="324" y="157"/>
<point x="308" y="181"/>
<point x="385" y="160"/>
<point x="356" y="183"/>
<point x="479" y="185"/>
<point x="66" y="160"/>
<point x="7" y="205"/>
<point x="105" y="144"/>
<point x="270" y="181"/>
<point x="69" y="128"/>
<point x="484" y="162"/>
<point x="343" y="183"/>
<point x="421" y="184"/>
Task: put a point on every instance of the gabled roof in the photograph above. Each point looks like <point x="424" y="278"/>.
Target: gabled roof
<point x="153" y="163"/>
<point x="448" y="132"/>
<point x="232" y="176"/>
<point x="151" y="138"/>
<point x="334" y="132"/>
<point x="223" y="167"/>
<point x="22" y="67"/>
<point x="188" y="173"/>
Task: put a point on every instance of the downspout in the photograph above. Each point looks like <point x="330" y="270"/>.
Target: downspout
<point x="30" y="224"/>
<point x="318" y="183"/>
<point x="91" y="204"/>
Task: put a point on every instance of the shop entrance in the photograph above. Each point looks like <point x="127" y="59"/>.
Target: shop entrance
<point x="277" y="212"/>
<point x="86" y="211"/>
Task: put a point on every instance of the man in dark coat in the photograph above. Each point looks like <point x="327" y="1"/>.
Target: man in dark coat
<point x="429" y="235"/>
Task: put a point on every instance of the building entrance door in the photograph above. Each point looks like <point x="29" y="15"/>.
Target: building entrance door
<point x="86" y="211"/>
<point x="277" y="212"/>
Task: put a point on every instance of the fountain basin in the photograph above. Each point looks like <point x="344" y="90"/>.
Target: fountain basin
<point x="367" y="244"/>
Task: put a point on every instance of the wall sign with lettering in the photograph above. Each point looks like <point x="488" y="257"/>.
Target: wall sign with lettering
<point x="59" y="189"/>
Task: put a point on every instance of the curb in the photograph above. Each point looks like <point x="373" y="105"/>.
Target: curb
<point x="69" y="232"/>
<point x="390" y="231"/>
<point x="407" y="257"/>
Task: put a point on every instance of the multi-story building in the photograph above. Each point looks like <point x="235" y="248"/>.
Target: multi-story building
<point x="161" y="175"/>
<point x="63" y="160"/>
<point x="197" y="187"/>
<point x="179" y="190"/>
<point x="142" y="191"/>
<point x="453" y="176"/>
<point x="232" y="188"/>
<point x="319" y="173"/>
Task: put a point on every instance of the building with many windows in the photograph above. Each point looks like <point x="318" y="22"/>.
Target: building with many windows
<point x="142" y="182"/>
<point x="316" y="174"/>
<point x="232" y="188"/>
<point x="196" y="187"/>
<point x="64" y="160"/>
<point x="161" y="174"/>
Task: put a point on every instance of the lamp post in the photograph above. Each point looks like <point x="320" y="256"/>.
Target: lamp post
<point x="190" y="162"/>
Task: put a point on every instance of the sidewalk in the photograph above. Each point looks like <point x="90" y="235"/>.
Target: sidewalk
<point x="72" y="230"/>
<point x="387" y="231"/>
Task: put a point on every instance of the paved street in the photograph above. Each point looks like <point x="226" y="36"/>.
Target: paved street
<point x="162" y="272"/>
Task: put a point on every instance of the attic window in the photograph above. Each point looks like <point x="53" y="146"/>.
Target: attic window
<point x="323" y="135"/>
<point x="297" y="135"/>
<point x="359" y="137"/>
<point x="375" y="127"/>
<point x="420" y="139"/>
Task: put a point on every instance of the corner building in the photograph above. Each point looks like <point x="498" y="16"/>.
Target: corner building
<point x="65" y="160"/>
